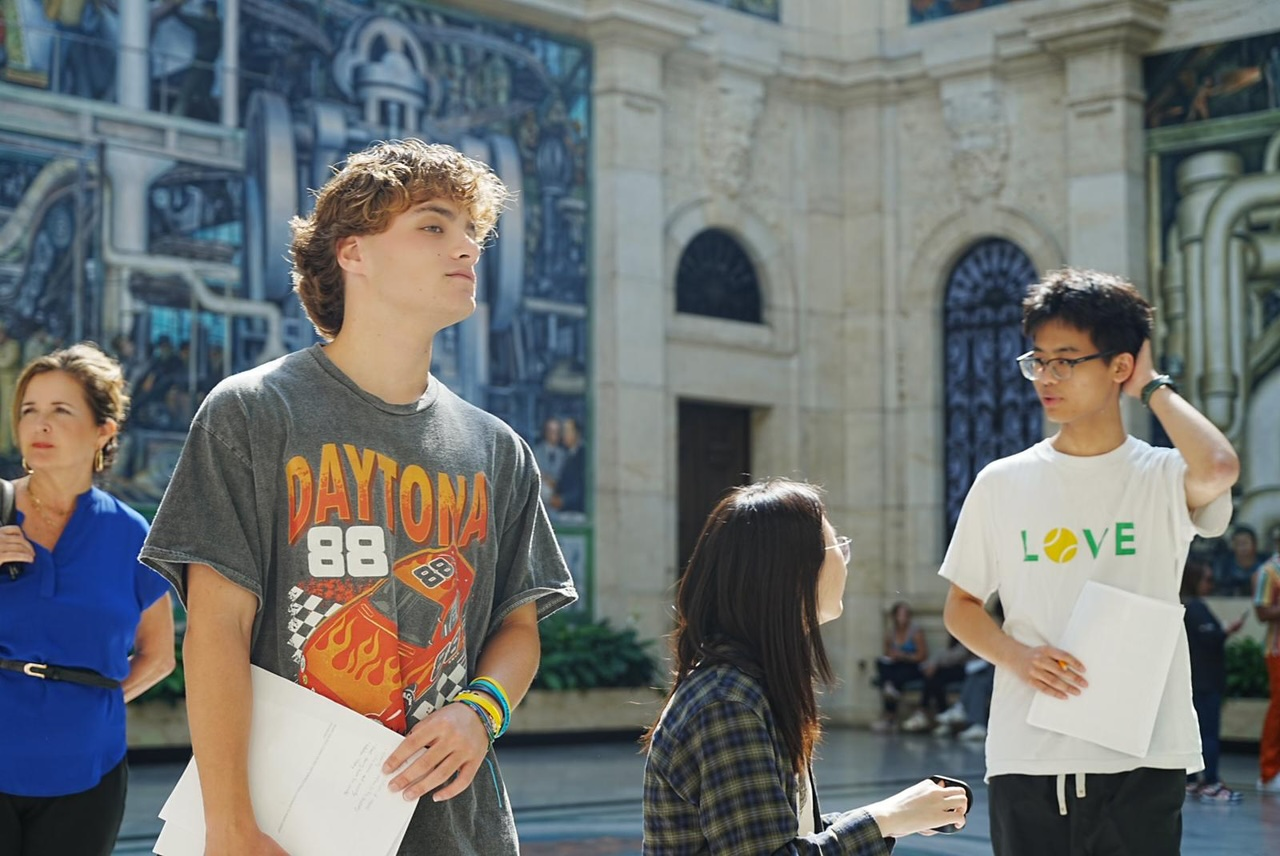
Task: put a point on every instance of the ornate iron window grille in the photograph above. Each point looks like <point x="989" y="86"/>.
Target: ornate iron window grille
<point x="991" y="411"/>
<point x="716" y="278"/>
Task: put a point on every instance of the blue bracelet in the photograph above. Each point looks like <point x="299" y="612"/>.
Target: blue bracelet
<point x="484" y="718"/>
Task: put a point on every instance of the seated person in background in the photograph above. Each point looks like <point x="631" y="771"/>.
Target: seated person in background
<point x="944" y="668"/>
<point x="969" y="715"/>
<point x="1235" y="574"/>
<point x="1207" y="640"/>
<point x="905" y="649"/>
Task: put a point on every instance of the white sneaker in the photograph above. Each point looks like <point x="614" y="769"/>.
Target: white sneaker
<point x="918" y="721"/>
<point x="1270" y="786"/>
<point x="953" y="715"/>
<point x="943" y="730"/>
<point x="976" y="731"/>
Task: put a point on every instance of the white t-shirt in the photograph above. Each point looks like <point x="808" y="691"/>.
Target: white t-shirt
<point x="1039" y="524"/>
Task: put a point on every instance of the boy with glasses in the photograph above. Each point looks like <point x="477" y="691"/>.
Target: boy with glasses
<point x="1089" y="503"/>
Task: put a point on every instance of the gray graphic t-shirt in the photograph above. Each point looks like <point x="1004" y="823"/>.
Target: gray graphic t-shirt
<point x="385" y="543"/>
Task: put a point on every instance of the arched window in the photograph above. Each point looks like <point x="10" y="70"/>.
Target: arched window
<point x="716" y="278"/>
<point x="991" y="409"/>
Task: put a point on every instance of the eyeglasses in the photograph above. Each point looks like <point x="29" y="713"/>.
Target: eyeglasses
<point x="1059" y="368"/>
<point x="845" y="546"/>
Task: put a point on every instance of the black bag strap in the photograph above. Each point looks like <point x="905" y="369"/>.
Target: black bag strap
<point x="9" y="517"/>
<point x="8" y="503"/>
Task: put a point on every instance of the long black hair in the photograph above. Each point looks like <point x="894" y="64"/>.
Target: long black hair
<point x="749" y="597"/>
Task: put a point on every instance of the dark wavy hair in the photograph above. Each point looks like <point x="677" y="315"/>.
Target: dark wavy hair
<point x="373" y="187"/>
<point x="1107" y="307"/>
<point x="749" y="598"/>
<point x="101" y="378"/>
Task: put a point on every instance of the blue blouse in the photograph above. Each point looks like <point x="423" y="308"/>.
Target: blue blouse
<point x="77" y="606"/>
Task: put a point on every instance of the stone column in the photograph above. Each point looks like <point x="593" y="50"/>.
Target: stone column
<point x="1100" y="44"/>
<point x="634" y="556"/>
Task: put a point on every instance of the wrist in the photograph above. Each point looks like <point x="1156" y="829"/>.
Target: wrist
<point x="1152" y="386"/>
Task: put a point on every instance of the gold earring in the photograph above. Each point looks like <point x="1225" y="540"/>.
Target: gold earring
<point x="26" y="468"/>
<point x="98" y="462"/>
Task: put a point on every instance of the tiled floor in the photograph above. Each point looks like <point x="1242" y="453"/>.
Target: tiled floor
<point x="584" y="800"/>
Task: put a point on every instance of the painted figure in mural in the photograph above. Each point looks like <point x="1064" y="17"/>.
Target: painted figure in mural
<point x="1104" y="506"/>
<point x="10" y="367"/>
<point x="84" y="58"/>
<point x="195" y="98"/>
<point x="728" y="768"/>
<point x="84" y="627"/>
<point x="549" y="453"/>
<point x="365" y="505"/>
<point x="571" y="489"/>
<point x="1266" y="606"/>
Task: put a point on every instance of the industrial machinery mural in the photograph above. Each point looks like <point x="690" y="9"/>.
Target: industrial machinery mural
<point x="176" y="260"/>
<point x="1213" y="114"/>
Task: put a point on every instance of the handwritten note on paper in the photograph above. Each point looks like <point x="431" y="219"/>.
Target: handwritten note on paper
<point x="1126" y="642"/>
<point x="314" y="776"/>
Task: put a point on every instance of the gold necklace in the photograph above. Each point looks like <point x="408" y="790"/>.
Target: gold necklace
<point x="44" y="515"/>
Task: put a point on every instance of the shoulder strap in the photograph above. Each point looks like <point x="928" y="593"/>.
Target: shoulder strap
<point x="8" y="513"/>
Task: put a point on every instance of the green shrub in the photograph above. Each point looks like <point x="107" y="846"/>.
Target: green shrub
<point x="579" y="654"/>
<point x="1246" y="670"/>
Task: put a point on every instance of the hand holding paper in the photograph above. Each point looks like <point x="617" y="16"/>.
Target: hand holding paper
<point x="1051" y="671"/>
<point x="1127" y="642"/>
<point x="315" y="778"/>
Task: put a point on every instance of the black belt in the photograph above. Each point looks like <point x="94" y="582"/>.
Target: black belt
<point x="70" y="674"/>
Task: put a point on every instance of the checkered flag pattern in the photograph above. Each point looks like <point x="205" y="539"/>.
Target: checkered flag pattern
<point x="450" y="684"/>
<point x="306" y="611"/>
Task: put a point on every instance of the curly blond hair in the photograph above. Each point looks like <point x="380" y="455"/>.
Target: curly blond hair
<point x="373" y="187"/>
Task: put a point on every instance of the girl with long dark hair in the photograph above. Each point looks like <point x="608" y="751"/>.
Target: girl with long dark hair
<point x="729" y="759"/>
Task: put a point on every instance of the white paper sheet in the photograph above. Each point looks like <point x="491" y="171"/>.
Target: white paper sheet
<point x="315" y="778"/>
<point x="1126" y="642"/>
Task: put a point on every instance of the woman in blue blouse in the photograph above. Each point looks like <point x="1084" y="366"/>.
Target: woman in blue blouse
<point x="74" y="608"/>
<point x="729" y="759"/>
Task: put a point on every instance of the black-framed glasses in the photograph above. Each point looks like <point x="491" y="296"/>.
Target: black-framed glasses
<point x="845" y="545"/>
<point x="1059" y="368"/>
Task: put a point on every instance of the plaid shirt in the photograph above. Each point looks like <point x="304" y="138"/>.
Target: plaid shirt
<point x="718" y="780"/>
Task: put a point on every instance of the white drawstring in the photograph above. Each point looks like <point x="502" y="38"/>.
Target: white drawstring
<point x="1061" y="784"/>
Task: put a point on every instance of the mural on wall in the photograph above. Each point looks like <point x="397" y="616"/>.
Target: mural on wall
<point x="762" y="8"/>
<point x="1214" y="147"/>
<point x="1213" y="81"/>
<point x="920" y="11"/>
<point x="179" y="266"/>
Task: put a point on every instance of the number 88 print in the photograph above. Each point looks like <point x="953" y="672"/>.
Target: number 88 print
<point x="361" y="553"/>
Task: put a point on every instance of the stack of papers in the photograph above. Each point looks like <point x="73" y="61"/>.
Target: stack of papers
<point x="315" y="779"/>
<point x="1126" y="642"/>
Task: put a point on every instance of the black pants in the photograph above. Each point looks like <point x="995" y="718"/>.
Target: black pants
<point x="1138" y="813"/>
<point x="83" y="824"/>
<point x="934" y="696"/>
<point x="1209" y="711"/>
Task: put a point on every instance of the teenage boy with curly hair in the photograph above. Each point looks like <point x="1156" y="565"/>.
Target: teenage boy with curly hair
<point x="341" y="499"/>
<point x="1131" y="510"/>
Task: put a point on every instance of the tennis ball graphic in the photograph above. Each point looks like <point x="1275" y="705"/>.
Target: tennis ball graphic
<point x="1060" y="545"/>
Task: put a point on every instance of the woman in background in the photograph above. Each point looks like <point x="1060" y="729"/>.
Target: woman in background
<point x="1207" y="640"/>
<point x="79" y="603"/>
<point x="728" y="767"/>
